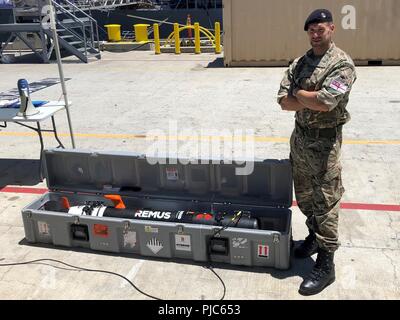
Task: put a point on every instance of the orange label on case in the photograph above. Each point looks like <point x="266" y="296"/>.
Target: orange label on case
<point x="100" y="230"/>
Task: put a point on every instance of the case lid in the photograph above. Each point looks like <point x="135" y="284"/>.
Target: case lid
<point x="268" y="184"/>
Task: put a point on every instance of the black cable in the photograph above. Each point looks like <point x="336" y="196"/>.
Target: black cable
<point x="238" y="215"/>
<point x="38" y="261"/>
<point x="81" y="269"/>
<point x="210" y="267"/>
<point x="234" y="220"/>
<point x="56" y="267"/>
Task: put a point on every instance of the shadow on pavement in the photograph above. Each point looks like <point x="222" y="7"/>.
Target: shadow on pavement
<point x="23" y="172"/>
<point x="298" y="267"/>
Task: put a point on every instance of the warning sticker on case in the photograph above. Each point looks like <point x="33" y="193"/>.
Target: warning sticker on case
<point x="263" y="251"/>
<point x="154" y="245"/>
<point x="240" y="243"/>
<point x="172" y="174"/>
<point x="44" y="228"/>
<point x="130" y="239"/>
<point x="182" y="242"/>
<point x="150" y="229"/>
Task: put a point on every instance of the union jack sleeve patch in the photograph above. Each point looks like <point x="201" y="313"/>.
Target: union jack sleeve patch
<point x="338" y="86"/>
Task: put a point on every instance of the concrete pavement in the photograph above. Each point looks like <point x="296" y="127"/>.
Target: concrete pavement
<point x="120" y="99"/>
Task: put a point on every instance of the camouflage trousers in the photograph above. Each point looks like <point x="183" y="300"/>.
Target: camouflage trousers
<point x="318" y="184"/>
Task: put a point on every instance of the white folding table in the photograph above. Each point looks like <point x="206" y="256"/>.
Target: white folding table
<point x="46" y="111"/>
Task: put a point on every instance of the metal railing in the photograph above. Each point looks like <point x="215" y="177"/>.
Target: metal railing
<point x="109" y="4"/>
<point x="94" y="28"/>
<point x="59" y="9"/>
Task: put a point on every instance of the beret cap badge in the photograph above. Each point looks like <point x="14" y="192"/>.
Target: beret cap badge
<point x="317" y="16"/>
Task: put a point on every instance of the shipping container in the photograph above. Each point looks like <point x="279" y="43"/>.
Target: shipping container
<point x="270" y="32"/>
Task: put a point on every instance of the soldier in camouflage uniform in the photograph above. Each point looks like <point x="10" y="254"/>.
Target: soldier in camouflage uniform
<point x="317" y="86"/>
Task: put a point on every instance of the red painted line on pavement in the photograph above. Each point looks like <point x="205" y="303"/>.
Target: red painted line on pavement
<point x="369" y="206"/>
<point x="23" y="190"/>
<point x="343" y="205"/>
<point x="366" y="206"/>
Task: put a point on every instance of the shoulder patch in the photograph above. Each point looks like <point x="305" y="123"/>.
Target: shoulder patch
<point x="338" y="86"/>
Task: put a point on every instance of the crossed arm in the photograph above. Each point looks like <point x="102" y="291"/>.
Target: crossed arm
<point x="302" y="99"/>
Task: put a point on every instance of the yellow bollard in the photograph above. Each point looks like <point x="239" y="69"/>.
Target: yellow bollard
<point x="197" y="49"/>
<point x="156" y="39"/>
<point x="177" y="39"/>
<point x="114" y="32"/>
<point x="217" y="37"/>
<point x="141" y="32"/>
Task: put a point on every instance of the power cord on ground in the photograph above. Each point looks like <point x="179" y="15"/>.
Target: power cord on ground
<point x="79" y="269"/>
<point x="76" y="268"/>
<point x="235" y="220"/>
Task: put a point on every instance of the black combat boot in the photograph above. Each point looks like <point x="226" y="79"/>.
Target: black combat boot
<point x="308" y="247"/>
<point x="321" y="276"/>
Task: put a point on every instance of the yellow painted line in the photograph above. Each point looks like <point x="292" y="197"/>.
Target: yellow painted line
<point x="185" y="138"/>
<point x="372" y="142"/>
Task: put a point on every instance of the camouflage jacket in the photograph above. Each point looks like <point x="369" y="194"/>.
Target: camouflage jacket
<point x="333" y="75"/>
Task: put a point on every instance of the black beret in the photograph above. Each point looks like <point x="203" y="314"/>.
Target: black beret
<point x="317" y="16"/>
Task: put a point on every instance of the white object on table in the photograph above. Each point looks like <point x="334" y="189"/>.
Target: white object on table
<point x="45" y="111"/>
